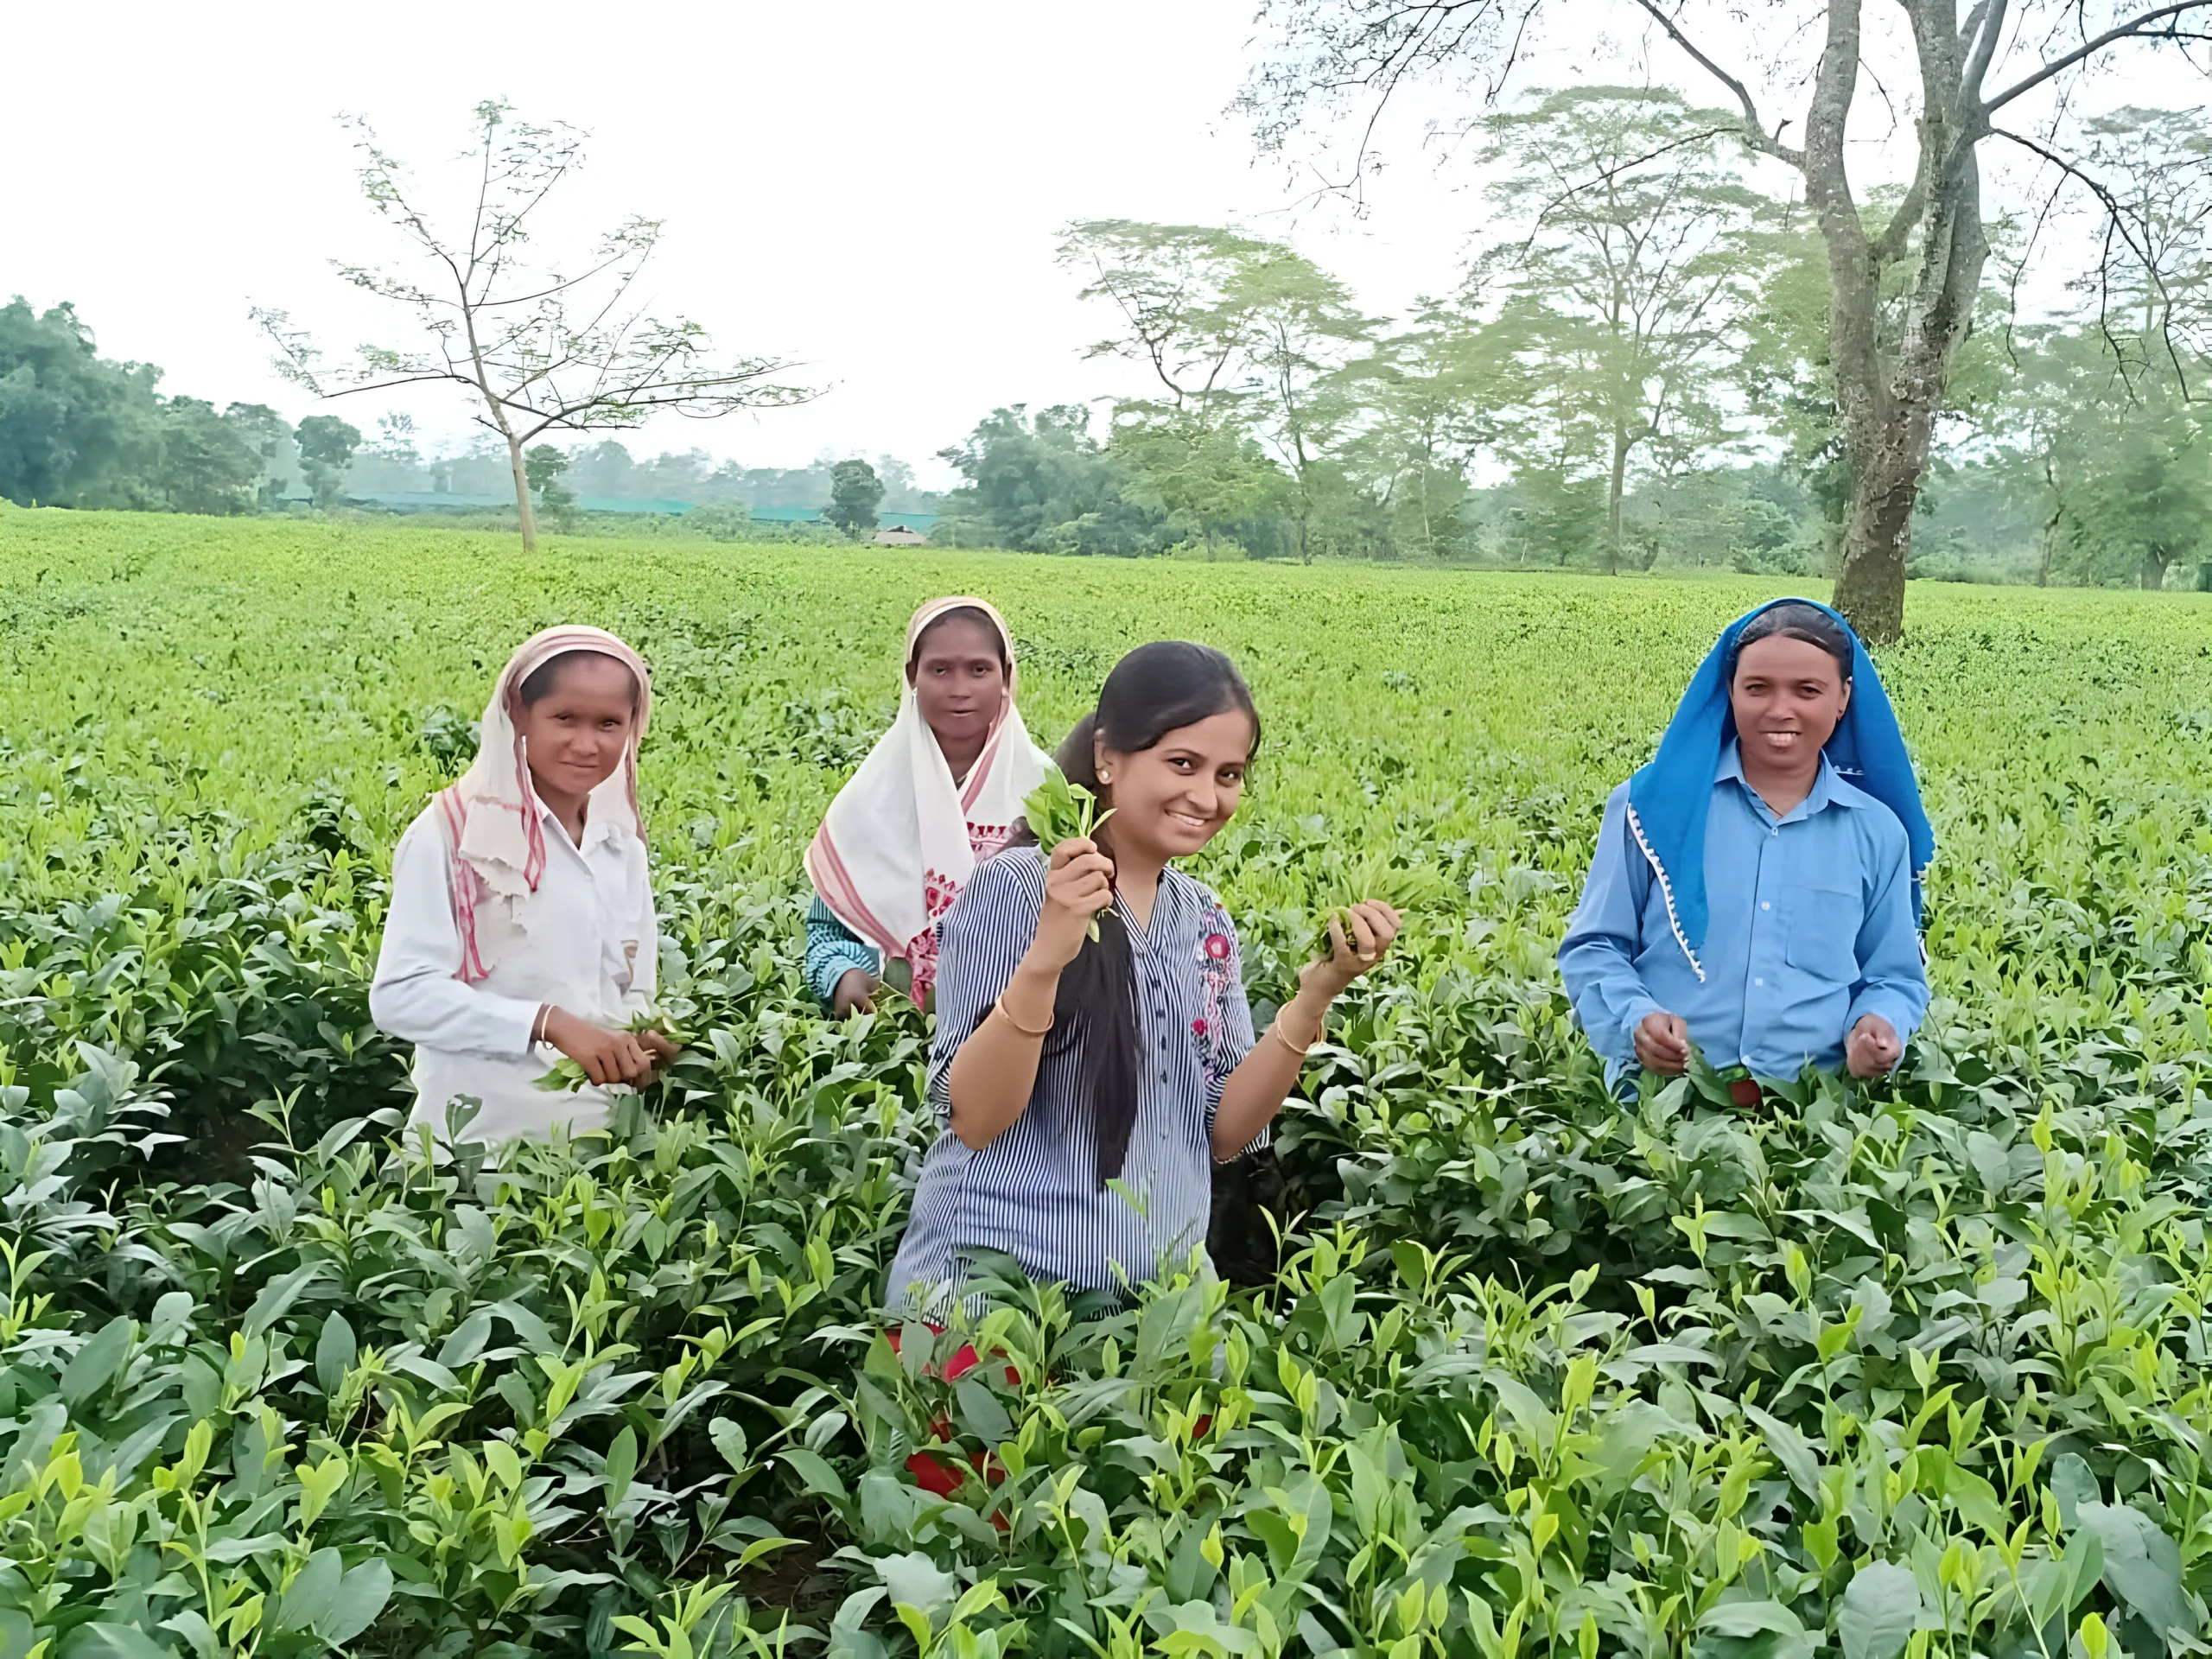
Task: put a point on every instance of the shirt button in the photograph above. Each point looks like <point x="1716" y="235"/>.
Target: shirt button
<point x="1764" y="904"/>
<point x="1758" y="981"/>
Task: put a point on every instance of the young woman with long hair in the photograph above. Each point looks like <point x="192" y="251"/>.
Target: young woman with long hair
<point x="1088" y="1084"/>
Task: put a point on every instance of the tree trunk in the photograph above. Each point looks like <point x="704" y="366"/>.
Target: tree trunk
<point x="523" y="508"/>
<point x="1878" y="537"/>
<point x="2153" y="573"/>
<point x="1613" y="499"/>
<point x="1888" y="401"/>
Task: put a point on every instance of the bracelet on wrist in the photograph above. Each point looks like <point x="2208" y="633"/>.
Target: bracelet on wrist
<point x="1275" y="1027"/>
<point x="999" y="1009"/>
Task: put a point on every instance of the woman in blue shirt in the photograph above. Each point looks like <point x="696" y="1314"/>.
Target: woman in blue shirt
<point x="1087" y="1085"/>
<point x="1756" y="888"/>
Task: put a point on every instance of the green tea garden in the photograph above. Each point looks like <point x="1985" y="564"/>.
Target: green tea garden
<point x="1487" y="1363"/>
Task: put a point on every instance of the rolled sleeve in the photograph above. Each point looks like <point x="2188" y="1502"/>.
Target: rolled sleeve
<point x="1597" y="956"/>
<point x="981" y="942"/>
<point x="834" y="950"/>
<point x="1893" y="969"/>
<point x="416" y="995"/>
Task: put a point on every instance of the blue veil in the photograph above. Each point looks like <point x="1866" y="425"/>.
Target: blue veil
<point x="1669" y="796"/>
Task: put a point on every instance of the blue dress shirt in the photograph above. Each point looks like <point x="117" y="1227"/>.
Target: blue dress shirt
<point x="1810" y="927"/>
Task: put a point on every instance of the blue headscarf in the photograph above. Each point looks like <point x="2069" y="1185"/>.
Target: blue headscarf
<point x="1670" y="795"/>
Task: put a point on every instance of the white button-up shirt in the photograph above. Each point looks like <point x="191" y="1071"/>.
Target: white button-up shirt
<point x="586" y="942"/>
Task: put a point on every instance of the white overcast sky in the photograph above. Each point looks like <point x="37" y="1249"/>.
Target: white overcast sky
<point x="872" y="189"/>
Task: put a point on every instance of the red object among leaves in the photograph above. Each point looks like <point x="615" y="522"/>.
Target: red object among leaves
<point x="961" y="1362"/>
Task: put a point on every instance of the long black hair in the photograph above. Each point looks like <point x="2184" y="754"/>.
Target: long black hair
<point x="1155" y="689"/>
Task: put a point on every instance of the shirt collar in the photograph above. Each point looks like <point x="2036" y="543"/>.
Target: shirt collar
<point x="596" y="829"/>
<point x="1822" y="796"/>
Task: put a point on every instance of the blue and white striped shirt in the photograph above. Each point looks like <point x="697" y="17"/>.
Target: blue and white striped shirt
<point x="1034" y="1192"/>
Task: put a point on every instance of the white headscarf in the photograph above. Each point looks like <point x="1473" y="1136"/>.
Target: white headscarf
<point x="494" y="822"/>
<point x="901" y="839"/>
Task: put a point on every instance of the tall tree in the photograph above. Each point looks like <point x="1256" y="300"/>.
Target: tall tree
<point x="76" y="429"/>
<point x="207" y="465"/>
<point x="1634" y="262"/>
<point x="1431" y="406"/>
<point x="1301" y="333"/>
<point x="542" y="470"/>
<point x="1171" y="284"/>
<point x="268" y="434"/>
<point x="559" y="347"/>
<point x="326" y="446"/>
<point x="1974" y="64"/>
<point x="855" y="492"/>
<point x="1240" y="337"/>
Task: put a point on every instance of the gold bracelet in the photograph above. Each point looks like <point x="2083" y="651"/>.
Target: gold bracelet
<point x="1275" y="1028"/>
<point x="999" y="1009"/>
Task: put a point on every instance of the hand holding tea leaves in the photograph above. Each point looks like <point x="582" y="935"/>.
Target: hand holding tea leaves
<point x="1374" y="880"/>
<point x="1057" y="812"/>
<point x="1358" y="937"/>
<point x="592" y="1053"/>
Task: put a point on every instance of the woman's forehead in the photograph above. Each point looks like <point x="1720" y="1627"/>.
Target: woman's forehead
<point x="1224" y="737"/>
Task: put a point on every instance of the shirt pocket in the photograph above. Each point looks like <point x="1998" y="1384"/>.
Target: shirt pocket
<point x="1823" y="937"/>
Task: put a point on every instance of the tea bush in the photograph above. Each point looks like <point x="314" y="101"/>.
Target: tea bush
<point x="1912" y="1370"/>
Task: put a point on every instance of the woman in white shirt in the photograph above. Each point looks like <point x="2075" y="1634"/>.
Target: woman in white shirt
<point x="522" y="915"/>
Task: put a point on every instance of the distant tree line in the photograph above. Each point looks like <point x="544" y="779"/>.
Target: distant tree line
<point x="78" y="429"/>
<point x="1632" y="371"/>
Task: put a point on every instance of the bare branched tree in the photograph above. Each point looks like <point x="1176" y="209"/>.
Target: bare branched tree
<point x="538" y="348"/>
<point x="1976" y="61"/>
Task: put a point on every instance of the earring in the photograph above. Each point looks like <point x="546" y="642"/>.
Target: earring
<point x="1105" y="777"/>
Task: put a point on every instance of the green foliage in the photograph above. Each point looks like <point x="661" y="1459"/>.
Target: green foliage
<point x="77" y="429"/>
<point x="541" y="468"/>
<point x="1912" y="1370"/>
<point x="854" y="493"/>
<point x="327" y="446"/>
<point x="1041" y="484"/>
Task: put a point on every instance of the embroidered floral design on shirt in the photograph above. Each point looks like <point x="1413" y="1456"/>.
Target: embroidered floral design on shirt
<point x="938" y="891"/>
<point x="1217" y="972"/>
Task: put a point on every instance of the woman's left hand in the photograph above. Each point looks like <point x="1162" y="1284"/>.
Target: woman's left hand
<point x="1359" y="937"/>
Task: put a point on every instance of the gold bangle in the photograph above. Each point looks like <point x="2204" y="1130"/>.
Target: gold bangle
<point x="999" y="1009"/>
<point x="1275" y="1028"/>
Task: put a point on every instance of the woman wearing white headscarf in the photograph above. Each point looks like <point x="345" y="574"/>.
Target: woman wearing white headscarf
<point x="940" y="793"/>
<point x="521" y="923"/>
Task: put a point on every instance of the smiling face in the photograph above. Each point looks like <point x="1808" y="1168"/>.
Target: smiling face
<point x="1172" y="798"/>
<point x="1787" y="696"/>
<point x="959" y="683"/>
<point x="574" y="735"/>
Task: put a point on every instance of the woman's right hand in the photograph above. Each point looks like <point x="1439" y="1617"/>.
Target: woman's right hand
<point x="1079" y="884"/>
<point x="855" y="993"/>
<point x="606" y="1056"/>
